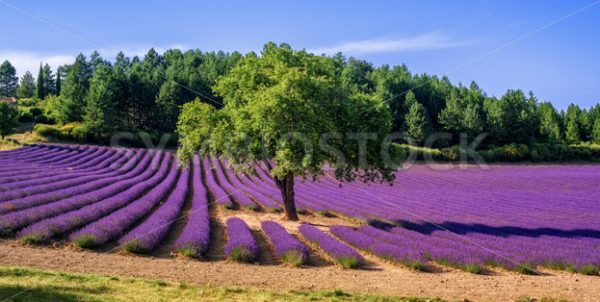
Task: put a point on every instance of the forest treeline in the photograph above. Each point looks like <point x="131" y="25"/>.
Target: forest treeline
<point x="99" y="97"/>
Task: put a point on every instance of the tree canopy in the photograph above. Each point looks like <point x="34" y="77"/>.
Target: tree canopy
<point x="8" y="80"/>
<point x="150" y="91"/>
<point x="26" y="87"/>
<point x="8" y="119"/>
<point x="288" y="107"/>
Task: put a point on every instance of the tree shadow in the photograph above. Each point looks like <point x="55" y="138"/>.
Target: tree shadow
<point x="15" y="293"/>
<point x="427" y="228"/>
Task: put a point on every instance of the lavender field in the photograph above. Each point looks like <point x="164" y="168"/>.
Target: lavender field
<point x="517" y="217"/>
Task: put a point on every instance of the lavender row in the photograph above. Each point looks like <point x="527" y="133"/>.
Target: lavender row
<point x="341" y="253"/>
<point x="125" y="192"/>
<point x="17" y="208"/>
<point x="264" y="200"/>
<point x="393" y="253"/>
<point x="105" y="168"/>
<point x="194" y="238"/>
<point x="82" y="160"/>
<point x="241" y="245"/>
<point x="242" y="199"/>
<point x="219" y="195"/>
<point x="287" y="248"/>
<point x="114" y="225"/>
<point x="74" y="198"/>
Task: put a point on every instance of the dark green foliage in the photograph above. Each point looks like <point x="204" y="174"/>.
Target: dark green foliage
<point x="74" y="91"/>
<point x="510" y="152"/>
<point x="418" y="125"/>
<point x="101" y="102"/>
<point x="58" y="82"/>
<point x="276" y="106"/>
<point x="148" y="93"/>
<point x="39" y="87"/>
<point x="573" y="124"/>
<point x="8" y="119"/>
<point x="8" y="79"/>
<point x="550" y="123"/>
<point x="596" y="131"/>
<point x="26" y="86"/>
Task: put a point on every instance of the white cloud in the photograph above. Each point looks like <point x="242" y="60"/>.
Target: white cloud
<point x="30" y="61"/>
<point x="387" y="45"/>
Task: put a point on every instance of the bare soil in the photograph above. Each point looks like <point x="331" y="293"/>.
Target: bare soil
<point x="379" y="277"/>
<point x="385" y="279"/>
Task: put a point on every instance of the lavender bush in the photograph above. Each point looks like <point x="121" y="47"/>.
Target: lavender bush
<point x="341" y="253"/>
<point x="287" y="248"/>
<point x="195" y="237"/>
<point x="241" y="245"/>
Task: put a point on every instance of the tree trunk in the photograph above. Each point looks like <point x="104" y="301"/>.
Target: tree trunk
<point x="286" y="186"/>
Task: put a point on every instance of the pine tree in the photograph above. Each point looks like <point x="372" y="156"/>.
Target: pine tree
<point x="8" y="79"/>
<point x="451" y="116"/>
<point x="472" y="122"/>
<point x="49" y="80"/>
<point x="596" y="131"/>
<point x="102" y="98"/>
<point x="418" y="125"/>
<point x="58" y="81"/>
<point x="550" y="129"/>
<point x="74" y="90"/>
<point x="27" y="86"/>
<point x="573" y="127"/>
<point x="39" y="88"/>
<point x="8" y="119"/>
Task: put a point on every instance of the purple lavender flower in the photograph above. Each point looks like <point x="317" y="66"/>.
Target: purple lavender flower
<point x="341" y="253"/>
<point x="241" y="245"/>
<point x="287" y="247"/>
<point x="195" y="237"/>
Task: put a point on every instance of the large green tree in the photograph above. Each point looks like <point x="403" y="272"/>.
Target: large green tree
<point x="279" y="107"/>
<point x="39" y="86"/>
<point x="573" y="124"/>
<point x="26" y="86"/>
<point x="8" y="119"/>
<point x="418" y="125"/>
<point x="49" y="80"/>
<point x="596" y="132"/>
<point x="550" y="128"/>
<point x="74" y="90"/>
<point x="512" y="119"/>
<point x="100" y="111"/>
<point x="8" y="79"/>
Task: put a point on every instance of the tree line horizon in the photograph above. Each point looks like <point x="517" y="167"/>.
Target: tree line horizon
<point x="146" y="93"/>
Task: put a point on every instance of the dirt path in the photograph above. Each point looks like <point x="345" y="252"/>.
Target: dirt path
<point x="385" y="280"/>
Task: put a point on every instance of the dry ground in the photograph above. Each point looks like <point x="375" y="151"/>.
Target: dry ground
<point x="378" y="278"/>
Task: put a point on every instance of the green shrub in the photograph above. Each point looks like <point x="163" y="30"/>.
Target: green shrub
<point x="25" y="116"/>
<point x="451" y="153"/>
<point x="421" y="153"/>
<point x="86" y="242"/>
<point x="349" y="262"/>
<point x="47" y="130"/>
<point x="80" y="133"/>
<point x="35" y="111"/>
<point x="240" y="254"/>
<point x="510" y="153"/>
<point x="590" y="270"/>
<point x="135" y="247"/>
<point x="293" y="257"/>
<point x="28" y="102"/>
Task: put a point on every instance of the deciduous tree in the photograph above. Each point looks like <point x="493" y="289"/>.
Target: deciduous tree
<point x="279" y="107"/>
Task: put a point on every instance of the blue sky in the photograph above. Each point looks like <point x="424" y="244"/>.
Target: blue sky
<point x="556" y="57"/>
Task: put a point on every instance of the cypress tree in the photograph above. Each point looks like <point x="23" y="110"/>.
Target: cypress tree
<point x="58" y="82"/>
<point x="39" y="89"/>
